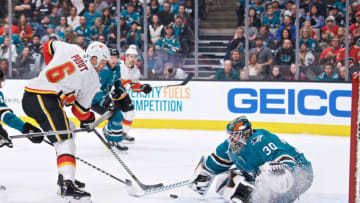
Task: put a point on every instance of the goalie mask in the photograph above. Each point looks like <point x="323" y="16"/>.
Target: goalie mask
<point x="239" y="131"/>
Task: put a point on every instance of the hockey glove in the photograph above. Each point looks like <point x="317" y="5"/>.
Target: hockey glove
<point x="146" y="88"/>
<point x="117" y="93"/>
<point x="28" y="128"/>
<point x="202" y="180"/>
<point x="87" y="123"/>
<point x="4" y="138"/>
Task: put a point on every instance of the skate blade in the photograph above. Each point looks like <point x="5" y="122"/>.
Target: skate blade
<point x="73" y="200"/>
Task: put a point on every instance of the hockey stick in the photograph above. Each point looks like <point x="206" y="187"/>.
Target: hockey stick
<point x="104" y="117"/>
<point x="142" y="186"/>
<point x="126" y="181"/>
<point x="184" y="82"/>
<point x="161" y="189"/>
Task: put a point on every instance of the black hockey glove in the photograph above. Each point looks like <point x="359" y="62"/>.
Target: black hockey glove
<point x="146" y="88"/>
<point x="28" y="128"/>
<point x="87" y="123"/>
<point x="4" y="138"/>
<point x="117" y="93"/>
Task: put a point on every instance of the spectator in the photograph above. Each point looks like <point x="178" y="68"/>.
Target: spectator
<point x="73" y="20"/>
<point x="276" y="6"/>
<point x="254" y="21"/>
<point x="316" y="17"/>
<point x="238" y="42"/>
<point x="339" y="19"/>
<point x="354" y="29"/>
<point x="236" y="61"/>
<point x="124" y="29"/>
<point x="35" y="20"/>
<point x="133" y="35"/>
<point x="54" y="16"/>
<point x="5" y="51"/>
<point x="91" y="15"/>
<point x="83" y="29"/>
<point x="320" y="6"/>
<point x="342" y="73"/>
<point x="341" y="36"/>
<point x="328" y="73"/>
<point x="156" y="30"/>
<point x="254" y="69"/>
<point x="107" y="20"/>
<point x="264" y="54"/>
<point x="276" y="74"/>
<point x="187" y="20"/>
<point x="330" y="29"/>
<point x="23" y="8"/>
<point x="292" y="73"/>
<point x="226" y="73"/>
<point x="173" y="6"/>
<point x="15" y="38"/>
<point x="285" y="55"/>
<point x="80" y="40"/>
<point x="4" y="66"/>
<point x="330" y="53"/>
<point x="189" y="8"/>
<point x="102" y="38"/>
<point x="45" y="8"/>
<point x="341" y="5"/>
<point x="41" y="29"/>
<point x="284" y="35"/>
<point x="165" y="16"/>
<point x="130" y="14"/>
<point x="182" y="33"/>
<point x="60" y="29"/>
<point x="98" y="29"/>
<point x="169" y="42"/>
<point x="24" y="63"/>
<point x="354" y="54"/>
<point x="100" y="6"/>
<point x="171" y="72"/>
<point x="155" y="6"/>
<point x="14" y="28"/>
<point x="307" y="24"/>
<point x="148" y="14"/>
<point x="305" y="37"/>
<point x="271" y="20"/>
<point x="287" y="24"/>
<point x="243" y="75"/>
<point x="35" y="46"/>
<point x="138" y="7"/>
<point x="49" y="31"/>
<point x="258" y="7"/>
<point x="268" y="38"/>
<point x="24" y="28"/>
<point x="292" y="11"/>
<point x="65" y="8"/>
<point x="155" y="65"/>
<point x="306" y="57"/>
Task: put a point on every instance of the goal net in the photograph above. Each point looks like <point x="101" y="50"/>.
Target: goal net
<point x="354" y="181"/>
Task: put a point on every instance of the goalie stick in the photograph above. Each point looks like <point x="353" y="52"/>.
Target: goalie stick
<point x="161" y="189"/>
<point x="141" y="185"/>
<point x="184" y="82"/>
<point x="104" y="117"/>
<point x="126" y="181"/>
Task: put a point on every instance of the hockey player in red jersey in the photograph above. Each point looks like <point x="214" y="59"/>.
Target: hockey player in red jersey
<point x="69" y="79"/>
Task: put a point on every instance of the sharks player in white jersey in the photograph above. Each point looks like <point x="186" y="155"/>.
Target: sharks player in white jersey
<point x="69" y="79"/>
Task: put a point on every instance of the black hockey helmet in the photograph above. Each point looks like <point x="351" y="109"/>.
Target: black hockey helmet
<point x="114" y="52"/>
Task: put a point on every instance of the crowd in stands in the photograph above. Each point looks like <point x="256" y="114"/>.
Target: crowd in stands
<point x="272" y="41"/>
<point x="170" y="31"/>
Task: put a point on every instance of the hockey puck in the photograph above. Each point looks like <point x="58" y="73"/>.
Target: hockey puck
<point x="173" y="196"/>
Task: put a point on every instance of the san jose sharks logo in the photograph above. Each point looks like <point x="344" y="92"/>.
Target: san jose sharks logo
<point x="256" y="139"/>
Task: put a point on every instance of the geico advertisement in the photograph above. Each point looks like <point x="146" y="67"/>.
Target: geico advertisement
<point x="292" y="102"/>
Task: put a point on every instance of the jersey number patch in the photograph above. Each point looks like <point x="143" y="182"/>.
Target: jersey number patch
<point x="58" y="73"/>
<point x="267" y="149"/>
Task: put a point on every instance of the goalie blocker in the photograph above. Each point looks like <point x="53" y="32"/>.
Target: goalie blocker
<point x="267" y="168"/>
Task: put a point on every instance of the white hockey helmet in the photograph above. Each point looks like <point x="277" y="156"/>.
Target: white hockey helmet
<point x="131" y="50"/>
<point x="98" y="49"/>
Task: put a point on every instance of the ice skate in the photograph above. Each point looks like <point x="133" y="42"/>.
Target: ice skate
<point x="128" y="139"/>
<point x="121" y="148"/>
<point x="71" y="194"/>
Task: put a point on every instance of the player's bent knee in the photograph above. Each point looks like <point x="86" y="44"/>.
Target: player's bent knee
<point x="234" y="188"/>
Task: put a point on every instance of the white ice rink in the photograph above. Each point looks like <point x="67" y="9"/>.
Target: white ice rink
<point x="29" y="171"/>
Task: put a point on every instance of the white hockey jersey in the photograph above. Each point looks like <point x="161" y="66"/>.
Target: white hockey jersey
<point x="68" y="76"/>
<point x="129" y="76"/>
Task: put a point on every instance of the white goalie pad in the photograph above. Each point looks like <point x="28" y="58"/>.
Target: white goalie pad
<point x="276" y="183"/>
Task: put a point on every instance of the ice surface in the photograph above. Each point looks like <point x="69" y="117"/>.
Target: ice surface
<point x="29" y="171"/>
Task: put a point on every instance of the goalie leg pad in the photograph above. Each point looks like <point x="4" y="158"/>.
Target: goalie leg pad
<point x="202" y="178"/>
<point x="233" y="187"/>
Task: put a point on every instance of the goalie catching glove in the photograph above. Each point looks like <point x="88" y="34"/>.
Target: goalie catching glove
<point x="4" y="138"/>
<point x="28" y="128"/>
<point x="201" y="179"/>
